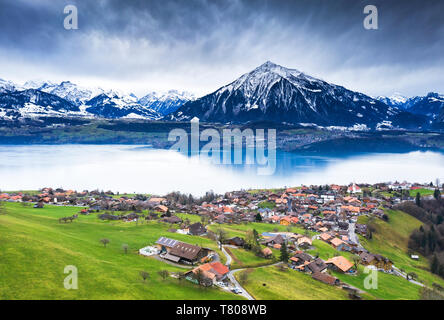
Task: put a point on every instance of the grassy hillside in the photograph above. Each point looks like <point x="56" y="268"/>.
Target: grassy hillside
<point x="389" y="287"/>
<point x="245" y="259"/>
<point x="35" y="249"/>
<point x="240" y="230"/>
<point x="391" y="240"/>
<point x="270" y="283"/>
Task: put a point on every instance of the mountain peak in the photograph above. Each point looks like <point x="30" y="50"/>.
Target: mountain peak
<point x="271" y="69"/>
<point x="269" y="65"/>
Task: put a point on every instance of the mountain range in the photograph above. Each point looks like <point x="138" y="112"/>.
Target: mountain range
<point x="40" y="99"/>
<point x="268" y="93"/>
<point x="274" y="93"/>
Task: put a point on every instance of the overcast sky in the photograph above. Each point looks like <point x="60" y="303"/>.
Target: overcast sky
<point x="200" y="45"/>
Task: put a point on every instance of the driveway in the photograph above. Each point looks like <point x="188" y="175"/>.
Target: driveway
<point x="232" y="278"/>
<point x="398" y="272"/>
<point x="352" y="234"/>
<point x="229" y="259"/>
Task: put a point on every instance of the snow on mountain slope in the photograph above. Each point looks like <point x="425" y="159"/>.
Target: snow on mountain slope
<point x="274" y="93"/>
<point x="114" y="105"/>
<point x="35" y="103"/>
<point x="6" y="86"/>
<point x="166" y="102"/>
<point x="396" y="100"/>
<point x="66" y="90"/>
<point x="431" y="105"/>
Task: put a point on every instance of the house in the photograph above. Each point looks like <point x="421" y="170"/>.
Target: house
<point x="172" y="219"/>
<point x="354" y="189"/>
<point x="131" y="216"/>
<point x="325" y="237"/>
<point x="304" y="242"/>
<point x="316" y="266"/>
<point x="186" y="253"/>
<point x="235" y="241"/>
<point x="340" y="245"/>
<point x="165" y="244"/>
<point x="361" y="229"/>
<point x="156" y="201"/>
<point x="343" y="225"/>
<point x="286" y="221"/>
<point x="294" y="220"/>
<point x="161" y="208"/>
<point x="210" y="273"/>
<point x="197" y="229"/>
<point x="376" y="260"/>
<point x="267" y="253"/>
<point x="339" y="263"/>
<point x="277" y="239"/>
<point x="325" y="278"/>
<point x="300" y="258"/>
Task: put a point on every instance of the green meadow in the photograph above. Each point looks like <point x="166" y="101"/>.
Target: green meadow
<point x="247" y="259"/>
<point x="390" y="239"/>
<point x="271" y="283"/>
<point x="387" y="287"/>
<point x="240" y="230"/>
<point x="35" y="248"/>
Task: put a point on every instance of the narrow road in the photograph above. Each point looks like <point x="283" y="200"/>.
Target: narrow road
<point x="404" y="275"/>
<point x="237" y="284"/>
<point x="232" y="278"/>
<point x="229" y="259"/>
<point x="352" y="234"/>
<point x="244" y="292"/>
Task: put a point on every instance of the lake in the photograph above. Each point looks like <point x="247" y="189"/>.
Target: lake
<point x="141" y="169"/>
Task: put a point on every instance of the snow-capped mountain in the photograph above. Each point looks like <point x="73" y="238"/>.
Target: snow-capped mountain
<point x="66" y="90"/>
<point x="440" y="118"/>
<point x="6" y="86"/>
<point x="44" y="98"/>
<point x="430" y="105"/>
<point x="166" y="102"/>
<point x="34" y="103"/>
<point x="395" y="100"/>
<point x="117" y="105"/>
<point x="274" y="93"/>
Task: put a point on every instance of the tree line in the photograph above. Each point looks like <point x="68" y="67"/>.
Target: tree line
<point x="429" y="238"/>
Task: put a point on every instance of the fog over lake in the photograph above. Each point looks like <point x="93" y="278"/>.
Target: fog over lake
<point x="141" y="169"/>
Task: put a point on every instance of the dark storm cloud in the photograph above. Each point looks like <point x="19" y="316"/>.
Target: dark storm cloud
<point x="200" y="45"/>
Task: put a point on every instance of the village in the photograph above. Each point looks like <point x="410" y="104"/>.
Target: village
<point x="328" y="214"/>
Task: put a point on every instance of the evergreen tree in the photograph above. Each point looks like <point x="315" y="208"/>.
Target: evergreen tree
<point x="418" y="199"/>
<point x="437" y="194"/>
<point x="284" y="253"/>
<point x="256" y="236"/>
<point x="258" y="217"/>
<point x="435" y="265"/>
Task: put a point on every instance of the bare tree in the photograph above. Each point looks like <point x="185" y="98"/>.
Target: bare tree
<point x="221" y="236"/>
<point x="104" y="241"/>
<point x="243" y="277"/>
<point x="200" y="277"/>
<point x="164" y="274"/>
<point x="180" y="275"/>
<point x="125" y="248"/>
<point x="356" y="261"/>
<point x="145" y="275"/>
